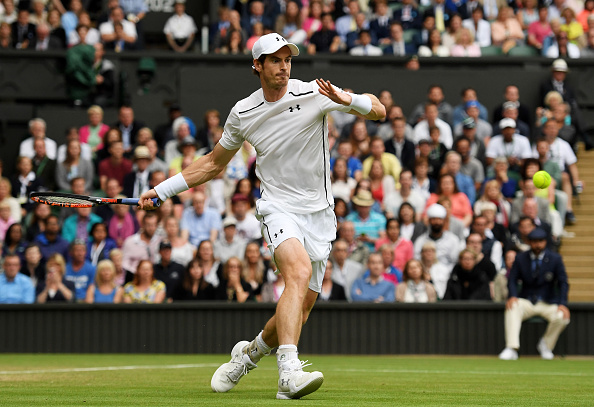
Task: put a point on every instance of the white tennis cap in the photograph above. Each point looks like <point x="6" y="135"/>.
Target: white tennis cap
<point x="507" y="122"/>
<point x="270" y="43"/>
<point x="437" y="211"/>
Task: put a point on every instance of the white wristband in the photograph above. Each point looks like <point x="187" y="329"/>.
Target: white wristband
<point x="360" y="103"/>
<point x="171" y="187"/>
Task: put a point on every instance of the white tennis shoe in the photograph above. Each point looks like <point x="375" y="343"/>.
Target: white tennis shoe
<point x="544" y="350"/>
<point x="508" y="354"/>
<point x="294" y="383"/>
<point x="228" y="374"/>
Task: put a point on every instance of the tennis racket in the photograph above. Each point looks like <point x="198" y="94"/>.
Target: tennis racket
<point x="82" y="201"/>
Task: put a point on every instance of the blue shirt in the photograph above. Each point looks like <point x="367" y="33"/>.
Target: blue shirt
<point x="60" y="245"/>
<point x="101" y="298"/>
<point x="466" y="185"/>
<point x="363" y="290"/>
<point x="18" y="291"/>
<point x="134" y="6"/>
<point x="353" y="165"/>
<point x="372" y="226"/>
<point x="81" y="278"/>
<point x="200" y="226"/>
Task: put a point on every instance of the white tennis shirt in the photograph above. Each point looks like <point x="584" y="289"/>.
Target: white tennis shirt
<point x="291" y="141"/>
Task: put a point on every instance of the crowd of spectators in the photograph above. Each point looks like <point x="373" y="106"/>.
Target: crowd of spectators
<point x="465" y="28"/>
<point x="431" y="205"/>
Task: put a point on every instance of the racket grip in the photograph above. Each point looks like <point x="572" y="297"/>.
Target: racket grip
<point x="134" y="201"/>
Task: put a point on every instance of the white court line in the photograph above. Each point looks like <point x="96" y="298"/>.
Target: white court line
<point x="107" y="368"/>
<point x="211" y="365"/>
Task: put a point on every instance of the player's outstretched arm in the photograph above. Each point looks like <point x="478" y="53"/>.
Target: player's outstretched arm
<point x="200" y="171"/>
<point x="365" y="105"/>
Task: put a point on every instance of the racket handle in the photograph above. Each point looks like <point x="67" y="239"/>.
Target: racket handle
<point x="134" y="201"/>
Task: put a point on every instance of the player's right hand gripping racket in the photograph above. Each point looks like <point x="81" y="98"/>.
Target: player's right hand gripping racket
<point x="82" y="201"/>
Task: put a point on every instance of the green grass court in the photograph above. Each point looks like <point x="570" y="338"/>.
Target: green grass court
<point x="184" y="380"/>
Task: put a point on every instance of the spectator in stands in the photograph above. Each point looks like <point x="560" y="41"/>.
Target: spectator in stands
<point x="105" y="290"/>
<point x="563" y="48"/>
<point x="528" y="192"/>
<point x="390" y="164"/>
<point x="167" y="270"/>
<point x="437" y="9"/>
<point x="479" y="27"/>
<point x="399" y="145"/>
<point x="369" y="225"/>
<point x="461" y="111"/>
<point x="380" y="23"/>
<point x="449" y="36"/>
<point x="129" y="127"/>
<point x="144" y="288"/>
<point x="448" y="245"/>
<point x="93" y="36"/>
<point x="484" y="131"/>
<point x="24" y="182"/>
<point x="23" y="32"/>
<point x="313" y="21"/>
<point x="78" y="226"/>
<point x="80" y="75"/>
<point x="410" y="227"/>
<point x="5" y="196"/>
<point x="248" y="227"/>
<point x="253" y="269"/>
<point x="290" y="24"/>
<point x="164" y="132"/>
<point x="470" y="166"/>
<point x="563" y="155"/>
<point x="543" y="293"/>
<point x="193" y="286"/>
<point x="365" y="47"/>
<point x="44" y="167"/>
<point x="345" y="270"/>
<point x="406" y="193"/>
<point x="468" y="281"/>
<point x="135" y="11"/>
<point x="423" y="128"/>
<point x="345" y="23"/>
<point x="78" y="270"/>
<point x="488" y="250"/>
<point x="397" y="46"/>
<point x="181" y="130"/>
<point x="74" y="166"/>
<point x="199" y="222"/>
<point x="465" y="183"/>
<point x="136" y="182"/>
<point x="235" y="44"/>
<point x="342" y="184"/>
<point x="5" y="36"/>
<point x="85" y="150"/>
<point x="331" y="291"/>
<point x="143" y="245"/>
<point x="540" y="29"/>
<point x="93" y="133"/>
<point x="54" y="287"/>
<point x="43" y="41"/>
<point x="15" y="288"/>
<point x="13" y="239"/>
<point x="434" y="46"/>
<point x="9" y="12"/>
<point x="56" y="30"/>
<point x="117" y="257"/>
<point x="436" y="96"/>
<point x="188" y="155"/>
<point x="182" y="251"/>
<point x="438" y="272"/>
<point x="514" y="147"/>
<point x="408" y="15"/>
<point x="115" y="166"/>
<point x="233" y="288"/>
<point x="416" y="287"/>
<point x="33" y="264"/>
<point x="510" y="111"/>
<point x="507" y="178"/>
<point x="402" y="248"/>
<point x="354" y="165"/>
<point x="212" y="269"/>
<point x="373" y="288"/>
<point x="229" y="244"/>
<point x="103" y="91"/>
<point x="99" y="244"/>
<point x="423" y="182"/>
<point x="109" y="33"/>
<point x="112" y="190"/>
<point x="447" y="188"/>
<point x="465" y="45"/>
<point x="512" y="94"/>
<point x="506" y="31"/>
<point x="37" y="130"/>
<point x="325" y="40"/>
<point x="572" y="27"/>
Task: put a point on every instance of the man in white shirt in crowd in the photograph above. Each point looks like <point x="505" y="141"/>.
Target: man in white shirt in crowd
<point x="107" y="29"/>
<point x="37" y="128"/>
<point x="510" y="145"/>
<point x="180" y="29"/>
<point x="248" y="227"/>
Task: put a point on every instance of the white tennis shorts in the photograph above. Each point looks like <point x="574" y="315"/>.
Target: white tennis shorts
<point x="316" y="232"/>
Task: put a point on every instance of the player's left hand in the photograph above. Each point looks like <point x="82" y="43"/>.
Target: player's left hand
<point x="145" y="201"/>
<point x="332" y="93"/>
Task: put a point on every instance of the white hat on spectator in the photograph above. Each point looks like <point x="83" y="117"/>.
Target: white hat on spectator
<point x="507" y="122"/>
<point x="270" y="43"/>
<point x="559" y="65"/>
<point x="437" y="211"/>
<point x="229" y="221"/>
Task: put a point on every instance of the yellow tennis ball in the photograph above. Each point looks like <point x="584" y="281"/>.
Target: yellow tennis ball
<point x="541" y="179"/>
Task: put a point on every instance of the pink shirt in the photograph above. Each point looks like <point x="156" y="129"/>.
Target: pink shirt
<point x="460" y="204"/>
<point x="473" y="50"/>
<point x="539" y="31"/>
<point x="403" y="251"/>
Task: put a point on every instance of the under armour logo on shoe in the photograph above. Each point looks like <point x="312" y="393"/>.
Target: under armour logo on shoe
<point x="276" y="235"/>
<point x="284" y="382"/>
<point x="283" y="356"/>
<point x="291" y="108"/>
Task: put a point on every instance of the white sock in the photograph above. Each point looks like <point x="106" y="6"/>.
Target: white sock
<point x="285" y="353"/>
<point x="257" y="349"/>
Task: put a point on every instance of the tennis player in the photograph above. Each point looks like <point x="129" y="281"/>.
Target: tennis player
<point x="286" y="122"/>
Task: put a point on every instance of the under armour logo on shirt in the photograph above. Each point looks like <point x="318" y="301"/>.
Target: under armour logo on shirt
<point x="276" y="235"/>
<point x="291" y="108"/>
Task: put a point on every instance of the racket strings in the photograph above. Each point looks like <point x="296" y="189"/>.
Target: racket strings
<point x="63" y="201"/>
